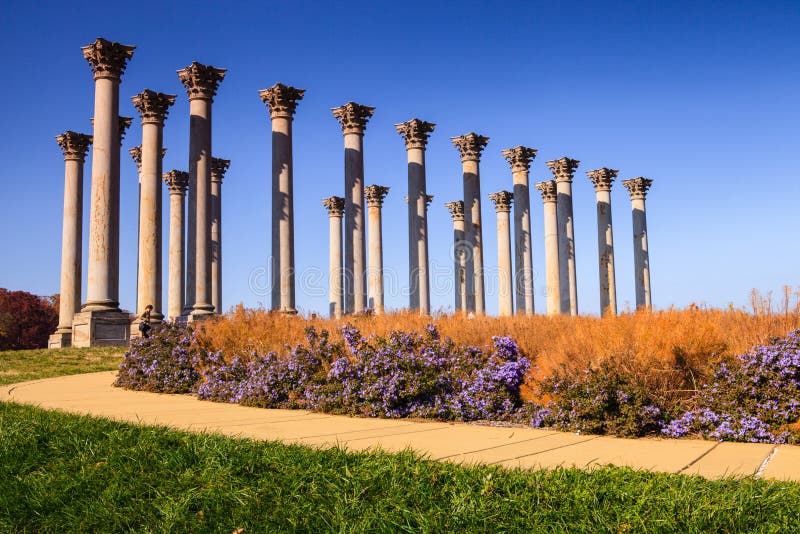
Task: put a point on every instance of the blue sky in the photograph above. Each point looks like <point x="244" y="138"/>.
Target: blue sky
<point x="702" y="97"/>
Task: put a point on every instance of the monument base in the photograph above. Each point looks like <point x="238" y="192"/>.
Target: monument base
<point x="60" y="340"/>
<point x="101" y="328"/>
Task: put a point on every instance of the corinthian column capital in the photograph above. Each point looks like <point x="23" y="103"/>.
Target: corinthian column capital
<point x="107" y="59"/>
<point x="74" y="145"/>
<point x="124" y="124"/>
<point x="602" y="178"/>
<point x="548" y="190"/>
<point x="415" y="133"/>
<point x="456" y="210"/>
<point x="219" y="167"/>
<point x="281" y="100"/>
<point x="375" y="195"/>
<point x="470" y="146"/>
<point x="353" y="117"/>
<point x="519" y="157"/>
<point x="201" y="81"/>
<point x="502" y="200"/>
<point x="638" y="187"/>
<point x="563" y="168"/>
<point x="153" y="107"/>
<point x="136" y="156"/>
<point x="334" y="205"/>
<point x="177" y="181"/>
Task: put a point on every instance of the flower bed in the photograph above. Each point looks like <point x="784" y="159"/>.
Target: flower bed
<point x="406" y="374"/>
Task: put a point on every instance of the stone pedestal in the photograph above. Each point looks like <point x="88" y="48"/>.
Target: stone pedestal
<point x="282" y="103"/>
<point x="460" y="252"/>
<point x="638" y="187"/>
<point x="415" y="133"/>
<point x="153" y="108"/>
<point x="74" y="146"/>
<point x="335" y="207"/>
<point x="520" y="158"/>
<point x="100" y="328"/>
<point x="470" y="147"/>
<point x="219" y="167"/>
<point x="375" y="195"/>
<point x="502" y="203"/>
<point x="201" y="83"/>
<point x="353" y="119"/>
<point x="602" y="179"/>
<point x="563" y="171"/>
<point x="177" y="182"/>
<point x="549" y="198"/>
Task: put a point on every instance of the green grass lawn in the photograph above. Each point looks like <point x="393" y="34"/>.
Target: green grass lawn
<point x="64" y="473"/>
<point x="22" y="365"/>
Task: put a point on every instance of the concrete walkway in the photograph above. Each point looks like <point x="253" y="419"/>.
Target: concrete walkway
<point x="93" y="394"/>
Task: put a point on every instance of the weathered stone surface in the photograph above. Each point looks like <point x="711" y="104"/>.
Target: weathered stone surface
<point x="563" y="172"/>
<point x="520" y="158"/>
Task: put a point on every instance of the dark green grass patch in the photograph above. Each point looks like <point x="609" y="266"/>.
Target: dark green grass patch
<point x="65" y="473"/>
<point x="22" y="365"/>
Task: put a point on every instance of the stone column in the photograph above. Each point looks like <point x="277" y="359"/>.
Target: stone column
<point x="502" y="205"/>
<point x="100" y="321"/>
<point x="74" y="146"/>
<point x="563" y="171"/>
<point x="153" y="108"/>
<point x="282" y="102"/>
<point x="136" y="155"/>
<point x="201" y="82"/>
<point x="602" y="179"/>
<point x="415" y="133"/>
<point x="177" y="182"/>
<point x="549" y="198"/>
<point x="335" y="207"/>
<point x="470" y="146"/>
<point x="520" y="158"/>
<point x="459" y="255"/>
<point x="638" y="187"/>
<point x="353" y="119"/>
<point x="375" y="195"/>
<point x="218" y="168"/>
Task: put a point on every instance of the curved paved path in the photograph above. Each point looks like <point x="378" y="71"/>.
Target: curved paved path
<point x="93" y="394"/>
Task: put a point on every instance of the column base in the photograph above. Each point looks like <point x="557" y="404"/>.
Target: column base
<point x="288" y="311"/>
<point x="60" y="340"/>
<point x="201" y="312"/>
<point x="100" y="305"/>
<point x="101" y="328"/>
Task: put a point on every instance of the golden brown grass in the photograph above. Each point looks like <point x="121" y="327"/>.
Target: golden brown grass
<point x="689" y="339"/>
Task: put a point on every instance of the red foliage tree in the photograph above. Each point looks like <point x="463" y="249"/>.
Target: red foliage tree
<point x="26" y="320"/>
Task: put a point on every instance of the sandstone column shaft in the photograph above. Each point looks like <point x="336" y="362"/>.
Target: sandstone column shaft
<point x="375" y="195"/>
<point x="335" y="207"/>
<point x="502" y="202"/>
<point x="282" y="103"/>
<point x="459" y="256"/>
<point x="415" y="133"/>
<point x="353" y="119"/>
<point x="563" y="172"/>
<point x="74" y="146"/>
<point x="549" y="198"/>
<point x="153" y="109"/>
<point x="218" y="168"/>
<point x="470" y="146"/>
<point x="638" y="187"/>
<point x="602" y="180"/>
<point x="520" y="158"/>
<point x="177" y="182"/>
<point x="201" y="82"/>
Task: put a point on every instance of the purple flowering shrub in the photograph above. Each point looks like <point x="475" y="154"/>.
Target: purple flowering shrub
<point x="163" y="363"/>
<point x="598" y="400"/>
<point x="404" y="375"/>
<point x="754" y="398"/>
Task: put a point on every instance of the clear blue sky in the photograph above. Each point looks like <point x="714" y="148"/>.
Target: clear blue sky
<point x="703" y="97"/>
